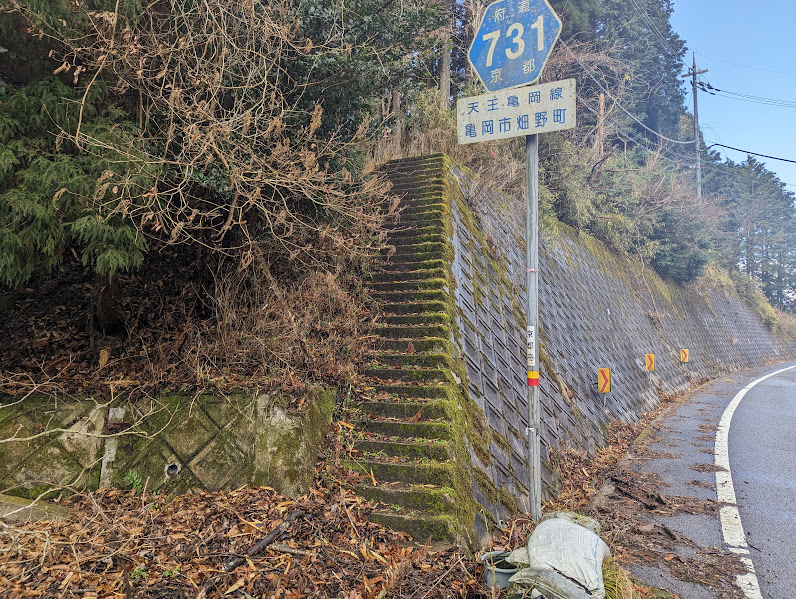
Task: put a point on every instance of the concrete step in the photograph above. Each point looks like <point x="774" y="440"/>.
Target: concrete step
<point x="420" y="346"/>
<point x="431" y="409"/>
<point x="422" y="205"/>
<point x="397" y="331"/>
<point x="413" y="308"/>
<point x="413" y="319"/>
<point x="429" y="360"/>
<point x="434" y="250"/>
<point x="386" y="276"/>
<point x="421" y="473"/>
<point x="408" y="297"/>
<point x="399" y="242"/>
<point x="420" y="285"/>
<point x="419" y="375"/>
<point x="419" y="525"/>
<point x="432" y="449"/>
<point x="431" y="500"/>
<point x="409" y="430"/>
<point x="415" y="201"/>
<point x="390" y="266"/>
<point x="427" y="391"/>
<point x="415" y="231"/>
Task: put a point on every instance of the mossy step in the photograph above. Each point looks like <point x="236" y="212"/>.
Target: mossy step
<point x="413" y="307"/>
<point x="431" y="409"/>
<point x="425" y="168"/>
<point x="420" y="375"/>
<point x="436" y="158"/>
<point x="412" y="262"/>
<point x="429" y="345"/>
<point x="411" y="240"/>
<point x="418" y="285"/>
<point x="413" y="359"/>
<point x="406" y="186"/>
<point x="407" y="229"/>
<point x="414" y="176"/>
<point x="409" y="430"/>
<point x="434" y="500"/>
<point x="406" y="232"/>
<point x="430" y="250"/>
<point x="433" y="449"/>
<point x="420" y="526"/>
<point x="410" y="319"/>
<point x="420" y="205"/>
<point x="438" y="391"/>
<point x="428" y="218"/>
<point x="399" y="331"/>
<point x="418" y="201"/>
<point x="428" y="174"/>
<point x="408" y="297"/>
<point x="409" y="275"/>
<point x="431" y="473"/>
<point x="429" y="168"/>
<point x="402" y="266"/>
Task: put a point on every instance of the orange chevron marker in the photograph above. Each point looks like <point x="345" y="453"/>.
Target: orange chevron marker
<point x="604" y="380"/>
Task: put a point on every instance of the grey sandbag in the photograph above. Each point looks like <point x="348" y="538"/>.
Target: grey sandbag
<point x="571" y="551"/>
<point x="549" y="583"/>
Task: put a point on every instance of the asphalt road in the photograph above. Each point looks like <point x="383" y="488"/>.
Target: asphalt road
<point x="762" y="449"/>
<point x="762" y="460"/>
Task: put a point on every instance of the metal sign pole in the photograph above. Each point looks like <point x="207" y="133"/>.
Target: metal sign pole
<point x="532" y="283"/>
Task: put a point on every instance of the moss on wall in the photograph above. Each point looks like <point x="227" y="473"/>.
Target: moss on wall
<point x="173" y="444"/>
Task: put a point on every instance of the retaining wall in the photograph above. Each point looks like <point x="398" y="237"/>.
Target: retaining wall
<point x="597" y="310"/>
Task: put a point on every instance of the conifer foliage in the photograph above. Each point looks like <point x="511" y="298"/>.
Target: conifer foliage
<point x="56" y="197"/>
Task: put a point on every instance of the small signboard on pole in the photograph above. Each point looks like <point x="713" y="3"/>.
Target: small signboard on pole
<point x="514" y="112"/>
<point x="509" y="50"/>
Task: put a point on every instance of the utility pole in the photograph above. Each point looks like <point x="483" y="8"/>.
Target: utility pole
<point x="601" y="128"/>
<point x="692" y="73"/>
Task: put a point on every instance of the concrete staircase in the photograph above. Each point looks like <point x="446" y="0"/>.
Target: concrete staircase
<point x="413" y="451"/>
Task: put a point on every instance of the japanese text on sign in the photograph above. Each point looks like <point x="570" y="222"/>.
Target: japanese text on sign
<point x="519" y="111"/>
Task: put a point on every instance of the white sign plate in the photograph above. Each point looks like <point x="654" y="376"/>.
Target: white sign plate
<point x="519" y="111"/>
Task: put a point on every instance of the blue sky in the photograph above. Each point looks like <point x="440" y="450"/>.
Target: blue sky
<point x="760" y="34"/>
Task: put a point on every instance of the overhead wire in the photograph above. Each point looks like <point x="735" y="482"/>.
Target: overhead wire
<point x="752" y="153"/>
<point x="743" y="66"/>
<point x="714" y="91"/>
<point x="654" y="29"/>
<point x="625" y="110"/>
<point x="626" y="134"/>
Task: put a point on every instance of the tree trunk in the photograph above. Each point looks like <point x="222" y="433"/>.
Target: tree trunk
<point x="445" y="77"/>
<point x="108" y="317"/>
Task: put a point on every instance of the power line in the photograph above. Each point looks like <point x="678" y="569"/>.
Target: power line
<point x="743" y="66"/>
<point x="627" y="134"/>
<point x="655" y="31"/>
<point x="607" y="93"/>
<point x="752" y="153"/>
<point x="707" y="87"/>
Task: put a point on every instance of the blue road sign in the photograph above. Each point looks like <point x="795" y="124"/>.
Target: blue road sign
<point x="514" y="42"/>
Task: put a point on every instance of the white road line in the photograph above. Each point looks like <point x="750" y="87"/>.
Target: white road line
<point x="731" y="526"/>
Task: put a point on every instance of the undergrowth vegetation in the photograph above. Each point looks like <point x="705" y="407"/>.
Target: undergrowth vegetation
<point x="249" y="135"/>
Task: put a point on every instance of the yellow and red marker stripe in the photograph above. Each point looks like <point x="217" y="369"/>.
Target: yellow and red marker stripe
<point x="533" y="378"/>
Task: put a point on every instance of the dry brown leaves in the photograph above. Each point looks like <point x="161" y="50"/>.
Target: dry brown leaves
<point x="118" y="544"/>
<point x="184" y="331"/>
